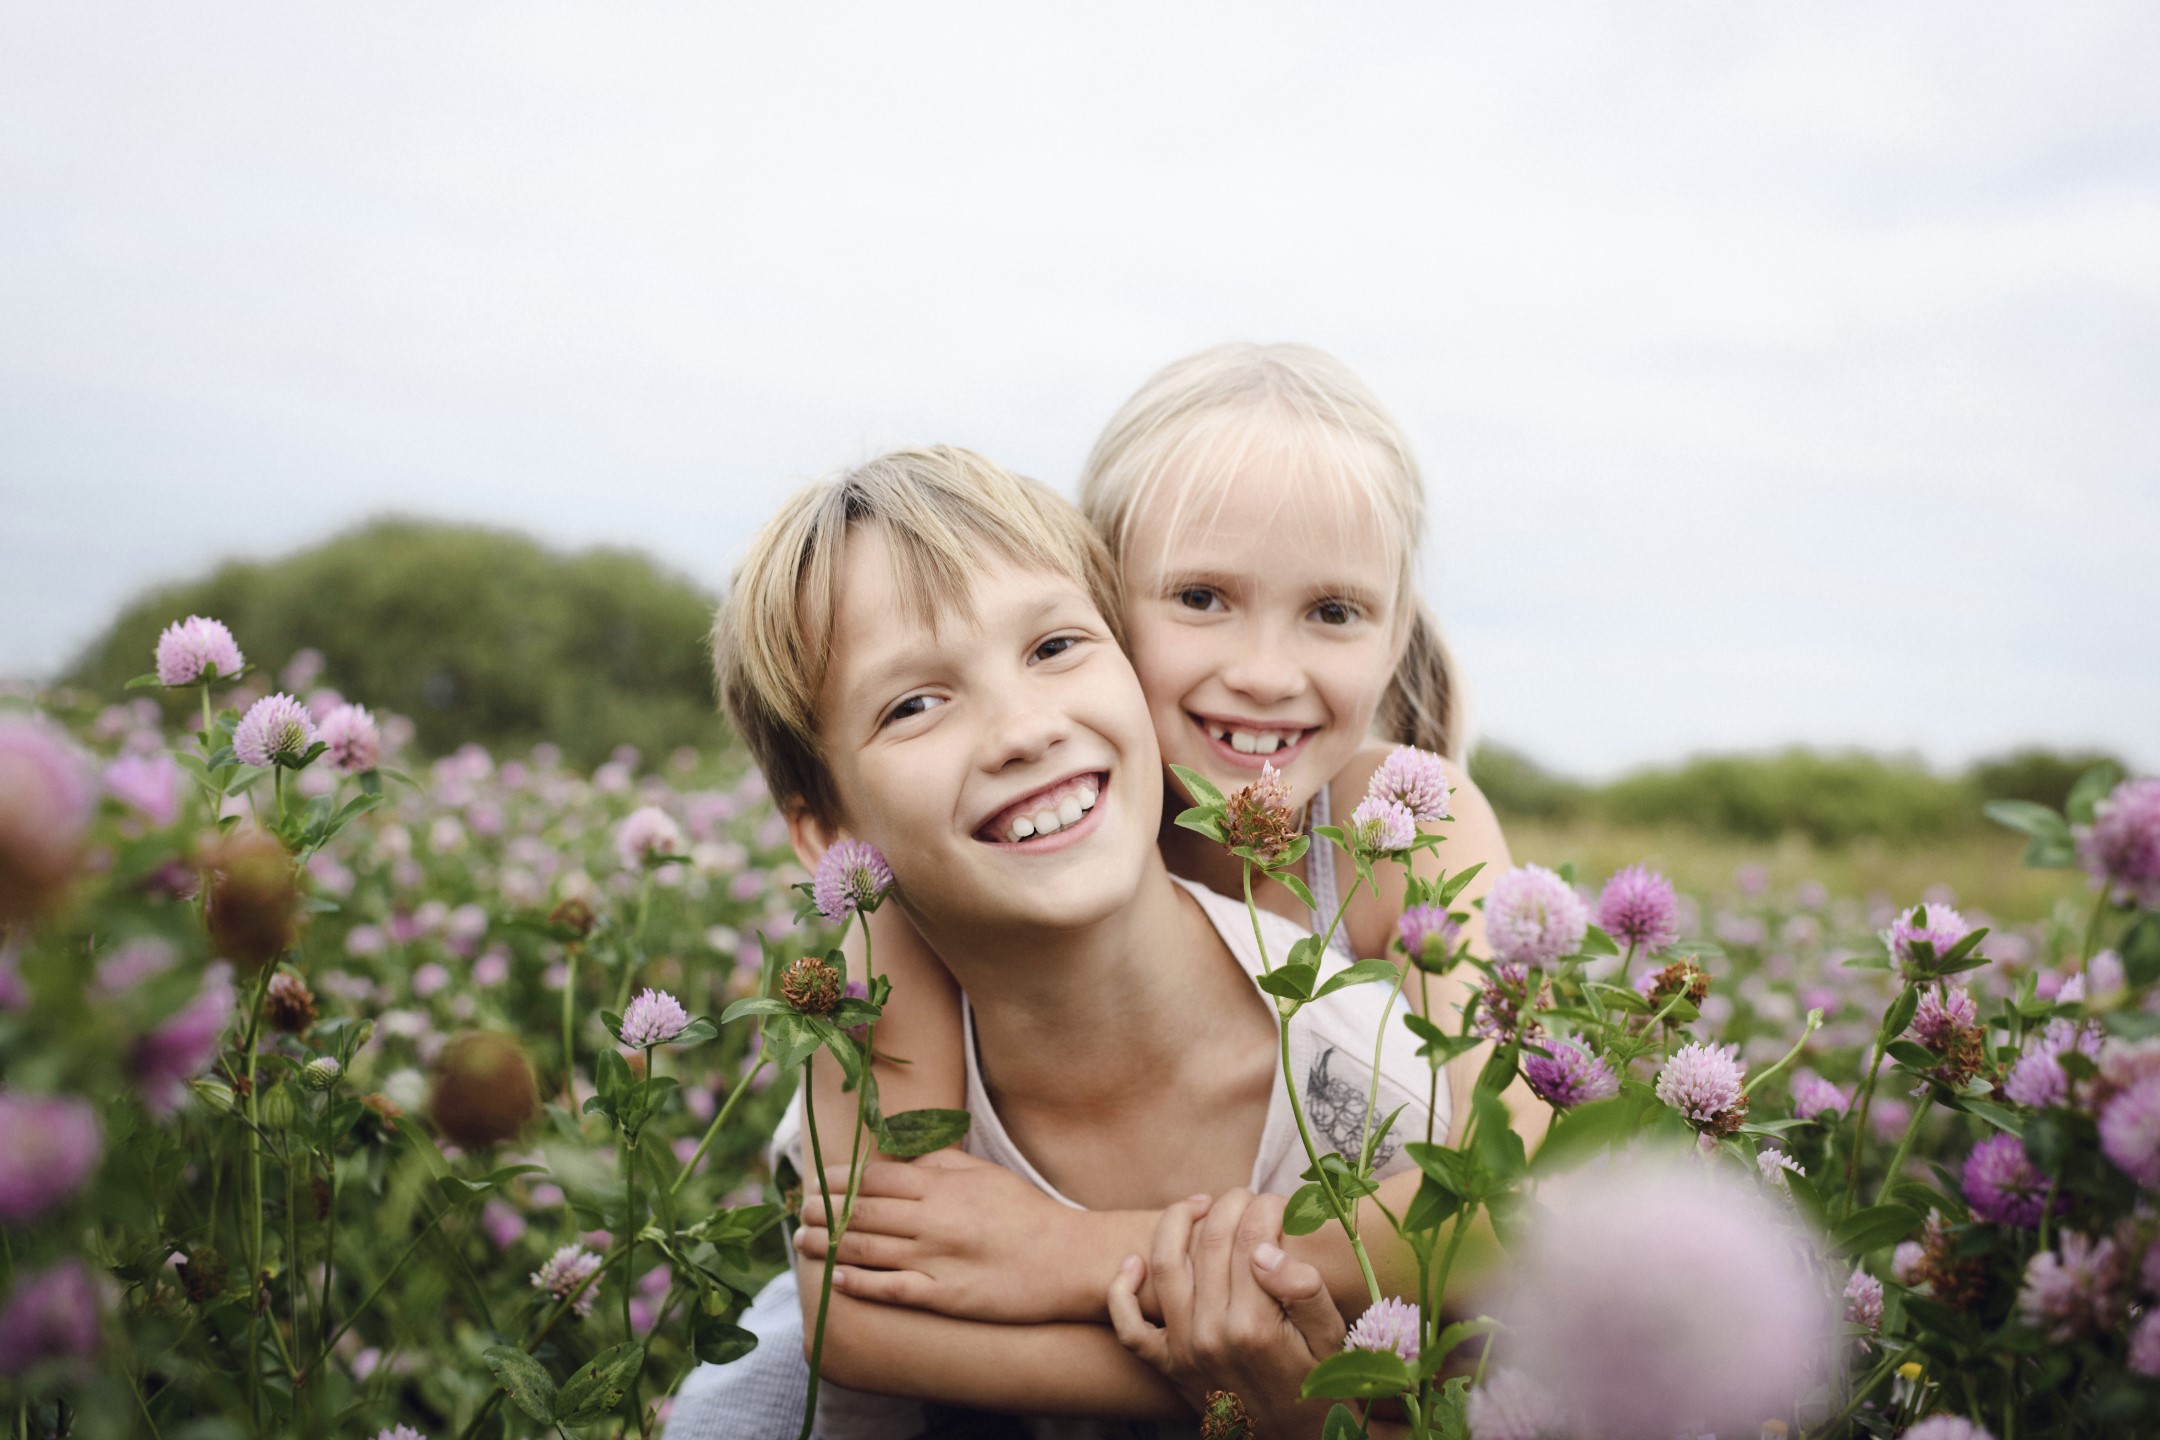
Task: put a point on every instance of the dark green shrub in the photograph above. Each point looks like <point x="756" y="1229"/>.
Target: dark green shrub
<point x="1521" y="789"/>
<point x="475" y="634"/>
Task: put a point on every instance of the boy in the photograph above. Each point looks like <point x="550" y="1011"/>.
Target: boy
<point x="921" y="655"/>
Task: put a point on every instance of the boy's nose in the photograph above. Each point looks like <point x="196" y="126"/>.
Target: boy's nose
<point x="1024" y="733"/>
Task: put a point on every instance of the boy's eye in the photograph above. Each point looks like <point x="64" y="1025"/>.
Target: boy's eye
<point x="1055" y="646"/>
<point x="1198" y="597"/>
<point x="1334" y="612"/>
<point x="912" y="706"/>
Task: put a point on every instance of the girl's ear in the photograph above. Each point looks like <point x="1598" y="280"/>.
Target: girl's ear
<point x="810" y="836"/>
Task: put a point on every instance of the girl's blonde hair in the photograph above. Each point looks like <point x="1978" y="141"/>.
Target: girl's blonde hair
<point x="1198" y="423"/>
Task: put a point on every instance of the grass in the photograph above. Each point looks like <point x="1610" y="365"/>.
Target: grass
<point x="1984" y="870"/>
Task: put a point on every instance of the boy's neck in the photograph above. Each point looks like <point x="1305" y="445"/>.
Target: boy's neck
<point x="1075" y="1018"/>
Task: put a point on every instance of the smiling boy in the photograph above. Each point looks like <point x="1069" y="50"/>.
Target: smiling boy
<point x="921" y="655"/>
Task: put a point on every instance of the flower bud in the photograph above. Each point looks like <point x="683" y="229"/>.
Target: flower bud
<point x="574" y="915"/>
<point x="484" y="1089"/>
<point x="1224" y="1417"/>
<point x="321" y="1073"/>
<point x="254" y="910"/>
<point x="289" y="1005"/>
<point x="276" y="1110"/>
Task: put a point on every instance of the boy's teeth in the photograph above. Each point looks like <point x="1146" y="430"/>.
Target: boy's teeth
<point x="1022" y="828"/>
<point x="1087" y="799"/>
<point x="1068" y="811"/>
<point x="1047" y="822"/>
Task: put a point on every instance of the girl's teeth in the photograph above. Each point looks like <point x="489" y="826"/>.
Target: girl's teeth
<point x="1087" y="799"/>
<point x="1022" y="828"/>
<point x="1265" y="744"/>
<point x="1068" y="811"/>
<point x="1243" y="742"/>
<point x="1047" y="822"/>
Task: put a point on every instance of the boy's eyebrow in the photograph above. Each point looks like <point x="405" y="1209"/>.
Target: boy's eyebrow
<point x="885" y="672"/>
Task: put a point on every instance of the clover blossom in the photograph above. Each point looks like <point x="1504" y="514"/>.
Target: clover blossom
<point x="1511" y="1406"/>
<point x="276" y="727"/>
<point x="2121" y="848"/>
<point x="2001" y="1185"/>
<point x="1941" y="1016"/>
<point x="354" y="740"/>
<point x="2075" y="1289"/>
<point x="190" y="648"/>
<point x="1533" y="917"/>
<point x="2037" y="1078"/>
<point x="1638" y="907"/>
<point x="566" y="1270"/>
<point x="1863" y="1301"/>
<point x="49" y="1144"/>
<point x="1388" y="1324"/>
<point x="147" y="784"/>
<point x="1414" y="779"/>
<point x="183" y="1047"/>
<point x="1774" y="1165"/>
<point x="2144" y="1356"/>
<point x="647" y="834"/>
<point x="1703" y="1083"/>
<point x="399" y="1432"/>
<point x="51" y="1314"/>
<point x="1427" y="935"/>
<point x="1938" y="925"/>
<point x="1947" y="1427"/>
<point x="1814" y="1097"/>
<point x="1382" y="827"/>
<point x="852" y="875"/>
<point x="1258" y="818"/>
<point x="1569" y="1075"/>
<point x="47" y="796"/>
<point x="2130" y="1130"/>
<point x="653" y="1018"/>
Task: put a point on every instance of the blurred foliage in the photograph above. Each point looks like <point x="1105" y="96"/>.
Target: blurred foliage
<point x="1830" y="799"/>
<point x="477" y="635"/>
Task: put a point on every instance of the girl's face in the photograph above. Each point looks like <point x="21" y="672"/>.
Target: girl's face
<point x="1262" y="627"/>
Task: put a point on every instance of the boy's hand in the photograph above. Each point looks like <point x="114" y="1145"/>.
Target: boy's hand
<point x="952" y="1234"/>
<point x="1238" y="1314"/>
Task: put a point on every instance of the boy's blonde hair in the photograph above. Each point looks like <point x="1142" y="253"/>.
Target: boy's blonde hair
<point x="1200" y="422"/>
<point x="939" y="510"/>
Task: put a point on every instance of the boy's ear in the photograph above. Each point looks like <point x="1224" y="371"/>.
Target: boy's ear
<point x="810" y="836"/>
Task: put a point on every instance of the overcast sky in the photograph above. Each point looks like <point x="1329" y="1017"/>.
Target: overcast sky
<point x="1781" y="373"/>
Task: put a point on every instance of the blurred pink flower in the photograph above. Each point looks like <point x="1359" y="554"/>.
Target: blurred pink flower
<point x="567" y="1269"/>
<point x="183" y="1047"/>
<point x="46" y="799"/>
<point x="2001" y="1185"/>
<point x="147" y="784"/>
<point x="1946" y="1427"/>
<point x="1533" y="917"/>
<point x="1863" y="1301"/>
<point x="190" y="648"/>
<point x="2130" y="1130"/>
<point x="1638" y="908"/>
<point x="1653" y="1342"/>
<point x="52" y="1314"/>
<point x="1938" y="925"/>
<point x="1510" y="1406"/>
<point x="647" y="834"/>
<point x="355" y="742"/>
<point x="2121" y="848"/>
<point x="49" y="1145"/>
<point x="2075" y="1289"/>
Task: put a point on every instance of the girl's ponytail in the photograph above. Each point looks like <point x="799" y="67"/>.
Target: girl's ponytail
<point x="1423" y="704"/>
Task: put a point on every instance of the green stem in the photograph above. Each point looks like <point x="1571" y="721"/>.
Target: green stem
<point x="1852" y="1166"/>
<point x="712" y="1131"/>
<point x="357" y="1311"/>
<point x="1372" y="1096"/>
<point x="1814" y="1023"/>
<point x="1327" y="1187"/>
<point x="1889" y="1363"/>
<point x="255" y="1196"/>
<point x="1904" y="1148"/>
<point x="2092" y="926"/>
<point x="637" y="942"/>
<point x="562" y="1308"/>
<point x="832" y="1249"/>
<point x="1432" y="1089"/>
<point x="569" y="1049"/>
<point x="1252" y="913"/>
<point x="629" y="1284"/>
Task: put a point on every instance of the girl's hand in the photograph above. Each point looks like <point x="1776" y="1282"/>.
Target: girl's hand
<point x="1238" y="1314"/>
<point x="955" y="1235"/>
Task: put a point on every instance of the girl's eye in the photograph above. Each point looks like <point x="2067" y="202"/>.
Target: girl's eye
<point x="1198" y="597"/>
<point x="912" y="706"/>
<point x="1334" y="612"/>
<point x="1055" y="646"/>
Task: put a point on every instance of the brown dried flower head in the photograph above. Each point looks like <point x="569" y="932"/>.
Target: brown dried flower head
<point x="484" y="1090"/>
<point x="574" y="915"/>
<point x="254" y="910"/>
<point x="1680" y="977"/>
<point x="1258" y="817"/>
<point x="1224" y="1417"/>
<point x="1964" y="1053"/>
<point x="289" y="1005"/>
<point x="811" y="986"/>
<point x="1958" y="1282"/>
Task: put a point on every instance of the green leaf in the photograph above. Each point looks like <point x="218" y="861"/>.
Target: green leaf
<point x="1454" y="884"/>
<point x="1291" y="982"/>
<point x="918" y="1132"/>
<point x="1342" y="1425"/>
<point x="1429" y="1363"/>
<point x="1617" y="997"/>
<point x="1375" y="1137"/>
<point x="1587" y="1130"/>
<point x="1202" y="822"/>
<point x="2003" y="1118"/>
<point x="1449" y="1171"/>
<point x="613" y="1022"/>
<point x="755" y="1005"/>
<point x="1364" y="972"/>
<point x="1295" y="886"/>
<point x="1596" y="942"/>
<point x="600" y="1386"/>
<point x="793" y="1040"/>
<point x="716" y="1342"/>
<point x="524" y="1380"/>
<point x="1900" y="1014"/>
<point x="1307" y="1210"/>
<point x="144" y="682"/>
<point x="1198" y="786"/>
<point x="1872" y="1228"/>
<point x="696" y="1032"/>
<point x="1430" y="1207"/>
<point x="1358" y="1375"/>
<point x="1498" y="1148"/>
<point x="2140" y="951"/>
<point x="1910" y="1053"/>
<point x="2091" y="788"/>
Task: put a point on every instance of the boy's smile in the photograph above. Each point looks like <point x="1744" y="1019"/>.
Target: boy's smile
<point x="1001" y="757"/>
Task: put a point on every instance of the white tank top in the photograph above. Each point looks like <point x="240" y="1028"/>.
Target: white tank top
<point x="1331" y="1053"/>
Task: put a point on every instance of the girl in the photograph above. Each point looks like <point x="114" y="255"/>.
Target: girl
<point x="1264" y="511"/>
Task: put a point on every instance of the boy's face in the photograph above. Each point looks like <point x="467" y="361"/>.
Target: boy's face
<point x="1003" y="762"/>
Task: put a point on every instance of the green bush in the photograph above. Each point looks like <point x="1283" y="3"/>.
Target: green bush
<point x="1521" y="789"/>
<point x="1832" y="799"/>
<point x="475" y="634"/>
<point x="2041" y="776"/>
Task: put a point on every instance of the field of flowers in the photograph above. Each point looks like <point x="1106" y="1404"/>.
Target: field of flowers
<point x="345" y="1091"/>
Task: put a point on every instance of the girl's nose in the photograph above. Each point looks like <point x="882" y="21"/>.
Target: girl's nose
<point x="1265" y="675"/>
